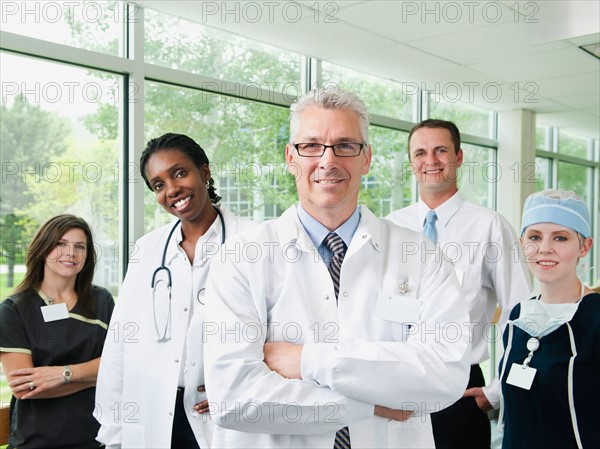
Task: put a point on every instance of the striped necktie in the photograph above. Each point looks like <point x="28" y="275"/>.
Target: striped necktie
<point x="338" y="250"/>
<point x="336" y="245"/>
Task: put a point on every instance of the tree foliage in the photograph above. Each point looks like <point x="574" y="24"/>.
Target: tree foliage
<point x="30" y="138"/>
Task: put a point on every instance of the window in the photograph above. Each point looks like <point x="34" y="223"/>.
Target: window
<point x="543" y="178"/>
<point x="57" y="157"/>
<point x="184" y="45"/>
<point x="478" y="175"/>
<point x="382" y="97"/>
<point x="244" y="141"/>
<point x="542" y="137"/>
<point x="469" y="119"/>
<point x="573" y="145"/>
<point x="91" y="25"/>
<point x="576" y="178"/>
<point x="389" y="185"/>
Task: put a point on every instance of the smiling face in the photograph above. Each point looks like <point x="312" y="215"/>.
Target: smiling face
<point x="434" y="162"/>
<point x="328" y="186"/>
<point x="179" y="186"/>
<point x="67" y="259"/>
<point x="552" y="252"/>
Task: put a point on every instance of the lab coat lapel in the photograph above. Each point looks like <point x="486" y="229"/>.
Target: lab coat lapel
<point x="367" y="232"/>
<point x="291" y="232"/>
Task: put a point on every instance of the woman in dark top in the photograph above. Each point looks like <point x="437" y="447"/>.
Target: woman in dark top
<point x="52" y="330"/>
<point x="551" y="367"/>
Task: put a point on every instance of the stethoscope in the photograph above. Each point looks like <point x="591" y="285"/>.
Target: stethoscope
<point x="163" y="337"/>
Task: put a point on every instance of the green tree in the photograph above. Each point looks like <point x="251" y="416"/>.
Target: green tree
<point x="244" y="140"/>
<point x="30" y="138"/>
<point x="85" y="186"/>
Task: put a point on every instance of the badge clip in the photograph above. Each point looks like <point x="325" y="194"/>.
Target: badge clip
<point x="403" y="288"/>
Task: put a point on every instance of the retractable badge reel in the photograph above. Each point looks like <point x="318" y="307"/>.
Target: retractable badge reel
<point x="522" y="375"/>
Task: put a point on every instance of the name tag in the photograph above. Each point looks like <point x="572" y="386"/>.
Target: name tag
<point x="398" y="308"/>
<point x="55" y="312"/>
<point x="521" y="376"/>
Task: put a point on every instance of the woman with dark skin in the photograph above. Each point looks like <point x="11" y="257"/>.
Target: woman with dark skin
<point x="161" y="376"/>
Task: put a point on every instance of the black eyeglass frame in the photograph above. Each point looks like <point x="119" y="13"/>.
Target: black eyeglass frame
<point x="324" y="148"/>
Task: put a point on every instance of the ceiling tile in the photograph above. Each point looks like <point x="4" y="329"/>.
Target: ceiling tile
<point x="408" y="21"/>
<point x="397" y="62"/>
<point x="486" y="44"/>
<point x="578" y="84"/>
<point x="580" y="122"/>
<point x="591" y="100"/>
<point x="551" y="64"/>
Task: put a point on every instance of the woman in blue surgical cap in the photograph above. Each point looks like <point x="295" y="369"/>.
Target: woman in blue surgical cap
<point x="550" y="371"/>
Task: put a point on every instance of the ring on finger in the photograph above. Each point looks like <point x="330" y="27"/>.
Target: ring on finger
<point x="31" y="386"/>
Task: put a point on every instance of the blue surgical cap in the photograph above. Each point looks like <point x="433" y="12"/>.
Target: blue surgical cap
<point x="559" y="207"/>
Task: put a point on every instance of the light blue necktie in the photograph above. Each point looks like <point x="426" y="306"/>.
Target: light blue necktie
<point x="429" y="226"/>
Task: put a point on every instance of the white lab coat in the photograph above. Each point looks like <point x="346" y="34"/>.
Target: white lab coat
<point x="280" y="290"/>
<point x="138" y="377"/>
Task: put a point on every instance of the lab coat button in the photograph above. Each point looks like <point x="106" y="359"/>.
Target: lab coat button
<point x="326" y="297"/>
<point x="193" y="363"/>
<point x="364" y="236"/>
<point x="345" y="294"/>
<point x="176" y="360"/>
<point x="185" y="309"/>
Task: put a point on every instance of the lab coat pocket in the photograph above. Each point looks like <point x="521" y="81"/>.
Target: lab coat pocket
<point x="415" y="432"/>
<point x="401" y="312"/>
<point x="398" y="308"/>
<point x="401" y="331"/>
<point x="133" y="435"/>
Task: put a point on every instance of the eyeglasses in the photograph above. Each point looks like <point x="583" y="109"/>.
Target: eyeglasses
<point x="345" y="149"/>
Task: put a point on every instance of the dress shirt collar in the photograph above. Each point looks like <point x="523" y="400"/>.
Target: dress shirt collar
<point x="206" y="242"/>
<point x="444" y="211"/>
<point x="317" y="232"/>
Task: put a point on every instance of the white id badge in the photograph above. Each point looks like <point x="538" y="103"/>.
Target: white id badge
<point x="521" y="376"/>
<point x="55" y="312"/>
<point x="398" y="308"/>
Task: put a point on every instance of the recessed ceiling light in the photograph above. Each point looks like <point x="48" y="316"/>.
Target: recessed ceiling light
<point x="592" y="49"/>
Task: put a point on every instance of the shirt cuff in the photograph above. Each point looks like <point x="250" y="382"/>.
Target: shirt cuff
<point x="492" y="392"/>
<point x="317" y="363"/>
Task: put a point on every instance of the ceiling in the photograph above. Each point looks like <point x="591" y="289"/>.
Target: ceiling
<point x="500" y="55"/>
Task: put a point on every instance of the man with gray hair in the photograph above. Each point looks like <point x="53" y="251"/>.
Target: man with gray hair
<point x="330" y="327"/>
